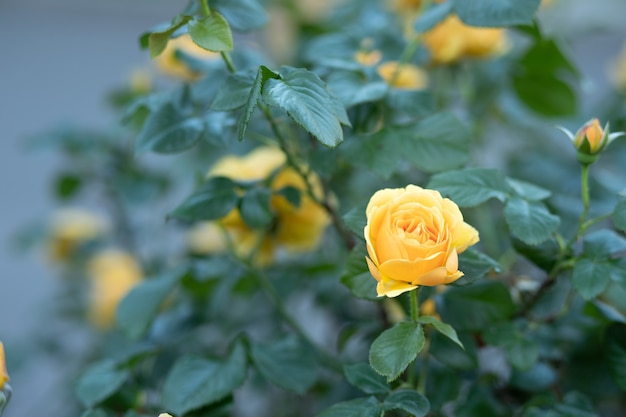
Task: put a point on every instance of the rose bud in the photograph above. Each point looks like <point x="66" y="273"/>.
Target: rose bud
<point x="590" y="140"/>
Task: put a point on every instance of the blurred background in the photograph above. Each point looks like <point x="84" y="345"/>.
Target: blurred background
<point x="59" y="59"/>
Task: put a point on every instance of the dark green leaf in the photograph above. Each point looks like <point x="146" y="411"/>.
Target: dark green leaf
<point x="304" y="97"/>
<point x="476" y="306"/>
<point x="99" y="382"/>
<point x="139" y="307"/>
<point x="527" y="190"/>
<point x="213" y="200"/>
<point x="352" y="87"/>
<point x="211" y="32"/>
<point x="451" y="355"/>
<point x="616" y="353"/>
<point x="546" y="58"/>
<point x="156" y="41"/>
<point x="362" y="376"/>
<point x="546" y="94"/>
<point x="243" y="15"/>
<point x="413" y="103"/>
<point x="356" y="275"/>
<point x="475" y="264"/>
<point x="355" y="220"/>
<point x="67" y="185"/>
<point x="410" y="401"/>
<point x="590" y="277"/>
<point x="167" y="130"/>
<point x="496" y="13"/>
<point x="439" y="143"/>
<point x="435" y="14"/>
<point x="98" y="412"/>
<point x="286" y="363"/>
<point x="619" y="215"/>
<point x="361" y="407"/>
<point x="472" y="186"/>
<point x="291" y="194"/>
<point x="195" y="382"/>
<point x="262" y="75"/>
<point x="522" y="353"/>
<point x="234" y="93"/>
<point x="602" y="244"/>
<point x="395" y="348"/>
<point x="378" y="152"/>
<point x="442" y="328"/>
<point x="552" y="302"/>
<point x="530" y="222"/>
<point x="255" y="207"/>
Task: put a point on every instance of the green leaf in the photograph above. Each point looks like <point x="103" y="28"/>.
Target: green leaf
<point x="439" y="143"/>
<point x="195" y="382"/>
<point x="496" y="13"/>
<point x="355" y="220"/>
<point x="255" y="207"/>
<point x="591" y="277"/>
<point x="395" y="348"/>
<point x="616" y="353"/>
<point x="356" y="275"/>
<point x="410" y="401"/>
<point x="98" y="412"/>
<point x="522" y="353"/>
<point x="362" y="376"/>
<point x="243" y="15"/>
<point x="99" y="382"/>
<point x="449" y="353"/>
<point x="472" y="186"/>
<point x="378" y="152"/>
<point x="156" y="41"/>
<point x="434" y="15"/>
<point x="532" y="90"/>
<point x="619" y="215"/>
<point x="233" y="93"/>
<point x="262" y="75"/>
<point x="211" y="32"/>
<point x="476" y="306"/>
<point x="213" y="200"/>
<point x="291" y="194"/>
<point x="527" y="190"/>
<point x="602" y="244"/>
<point x="361" y="407"/>
<point x="306" y="100"/>
<point x="442" y="328"/>
<point x="353" y="87"/>
<point x="286" y="363"/>
<point x="139" y="307"/>
<point x="475" y="264"/>
<point x="67" y="185"/>
<point x="168" y="131"/>
<point x="530" y="222"/>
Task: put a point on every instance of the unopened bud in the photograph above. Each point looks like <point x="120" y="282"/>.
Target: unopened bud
<point x="590" y="140"/>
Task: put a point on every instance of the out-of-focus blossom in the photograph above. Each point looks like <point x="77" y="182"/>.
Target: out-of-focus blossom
<point x="170" y="63"/>
<point x="69" y="229"/>
<point x="404" y="76"/>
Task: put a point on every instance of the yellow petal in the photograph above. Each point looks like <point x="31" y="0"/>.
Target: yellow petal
<point x="4" y="375"/>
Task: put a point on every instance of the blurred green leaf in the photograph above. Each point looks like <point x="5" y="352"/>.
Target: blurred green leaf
<point x="356" y="275"/>
<point x="255" y="207"/>
<point x="530" y="222"/>
<point x="306" y="100"/>
<point x="355" y="220"/>
<point x="546" y="95"/>
<point x="99" y="382"/>
<point x="286" y="363"/>
<point x="156" y="41"/>
<point x="360" y="407"/>
<point x="167" y="130"/>
<point x="352" y="88"/>
<point x="496" y="13"/>
<point x="211" y="32"/>
<point x="195" y="382"/>
<point x="291" y="194"/>
<point x="475" y="264"/>
<point x="527" y="190"/>
<point x="443" y="328"/>
<point x="432" y="16"/>
<point x="522" y="352"/>
<point x="213" y="200"/>
<point x="602" y="244"/>
<point x="362" y="376"/>
<point x="67" y="185"/>
<point x="233" y="93"/>
<point x="98" y="412"/>
<point x="450" y="354"/>
<point x="263" y="74"/>
<point x="619" y="215"/>
<point x="616" y="353"/>
<point x="476" y="306"/>
<point x="395" y="348"/>
<point x="243" y="15"/>
<point x="410" y="401"/>
<point x="591" y="277"/>
<point x="472" y="186"/>
<point x="139" y="307"/>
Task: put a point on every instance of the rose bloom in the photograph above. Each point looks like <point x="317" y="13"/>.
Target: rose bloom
<point x="4" y="375"/>
<point x="453" y="40"/>
<point x="297" y="229"/>
<point x="112" y="273"/>
<point x="413" y="238"/>
<point x="408" y="77"/>
<point x="170" y="64"/>
<point x="69" y="229"/>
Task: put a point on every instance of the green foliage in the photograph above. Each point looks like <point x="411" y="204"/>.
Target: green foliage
<point x="443" y="328"/>
<point x="496" y="13"/>
<point x="395" y="348"/>
<point x="361" y="407"/>
<point x="471" y="187"/>
<point x="530" y="222"/>
<point x="410" y="401"/>
<point x="211" y="33"/>
<point x="99" y="382"/>
<point x="214" y="199"/>
<point x="362" y="376"/>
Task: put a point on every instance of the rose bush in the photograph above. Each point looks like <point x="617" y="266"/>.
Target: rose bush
<point x="413" y="238"/>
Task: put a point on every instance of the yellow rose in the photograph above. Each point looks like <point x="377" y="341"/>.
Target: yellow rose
<point x="297" y="229"/>
<point x="69" y="229"/>
<point x="453" y="40"/>
<point x="590" y="134"/>
<point x="169" y="64"/>
<point x="4" y="375"/>
<point x="405" y="76"/>
<point x="618" y="71"/>
<point x="112" y="273"/>
<point x="413" y="238"/>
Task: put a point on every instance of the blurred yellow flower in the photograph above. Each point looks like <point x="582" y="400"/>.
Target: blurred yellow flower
<point x="140" y="80"/>
<point x="112" y="274"/>
<point x="170" y="64"/>
<point x="368" y="58"/>
<point x="453" y="40"/>
<point x="165" y="415"/>
<point x="4" y="375"/>
<point x="405" y="76"/>
<point x="296" y="229"/>
<point x="618" y="71"/>
<point x="69" y="229"/>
